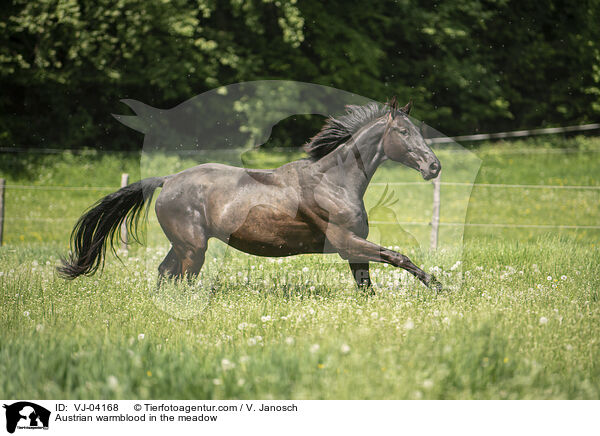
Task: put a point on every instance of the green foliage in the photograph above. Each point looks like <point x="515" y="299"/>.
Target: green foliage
<point x="468" y="64"/>
<point x="275" y="331"/>
<point x="278" y="330"/>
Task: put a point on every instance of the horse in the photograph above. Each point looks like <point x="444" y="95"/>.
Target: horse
<point x="312" y="205"/>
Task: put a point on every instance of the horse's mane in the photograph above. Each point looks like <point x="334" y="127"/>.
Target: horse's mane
<point x="337" y="131"/>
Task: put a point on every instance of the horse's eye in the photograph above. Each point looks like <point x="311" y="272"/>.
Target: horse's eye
<point x="404" y="132"/>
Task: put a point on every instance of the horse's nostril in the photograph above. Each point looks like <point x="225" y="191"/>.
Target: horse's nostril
<point x="434" y="166"/>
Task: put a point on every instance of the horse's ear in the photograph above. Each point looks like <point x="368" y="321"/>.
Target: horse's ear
<point x="406" y="109"/>
<point x="393" y="104"/>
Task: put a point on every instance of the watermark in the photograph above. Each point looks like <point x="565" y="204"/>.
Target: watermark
<point x="24" y="415"/>
<point x="359" y="197"/>
<point x="260" y="417"/>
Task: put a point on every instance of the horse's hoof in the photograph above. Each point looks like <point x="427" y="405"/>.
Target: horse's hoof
<point x="435" y="285"/>
<point x="367" y="290"/>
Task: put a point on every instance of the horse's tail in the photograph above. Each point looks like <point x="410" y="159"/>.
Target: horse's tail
<point x="97" y="228"/>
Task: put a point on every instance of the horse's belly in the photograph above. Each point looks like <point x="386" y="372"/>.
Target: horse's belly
<point x="267" y="231"/>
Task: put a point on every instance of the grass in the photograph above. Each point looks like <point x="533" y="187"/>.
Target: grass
<point x="520" y="319"/>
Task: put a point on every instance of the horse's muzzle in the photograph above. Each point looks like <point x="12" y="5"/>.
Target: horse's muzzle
<point x="432" y="171"/>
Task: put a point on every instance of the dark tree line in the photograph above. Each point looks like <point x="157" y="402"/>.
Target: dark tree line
<point x="469" y="65"/>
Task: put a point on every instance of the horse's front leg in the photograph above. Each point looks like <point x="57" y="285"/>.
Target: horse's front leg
<point x="360" y="272"/>
<point x="351" y="246"/>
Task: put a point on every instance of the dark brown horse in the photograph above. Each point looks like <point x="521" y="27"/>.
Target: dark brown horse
<point x="312" y="205"/>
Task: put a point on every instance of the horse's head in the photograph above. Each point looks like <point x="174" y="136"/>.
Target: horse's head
<point x="403" y="142"/>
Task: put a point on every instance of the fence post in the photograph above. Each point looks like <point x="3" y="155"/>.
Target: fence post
<point x="435" y="215"/>
<point x="2" y="183"/>
<point x="124" y="236"/>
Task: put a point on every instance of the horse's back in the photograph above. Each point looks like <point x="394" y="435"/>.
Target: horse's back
<point x="222" y="197"/>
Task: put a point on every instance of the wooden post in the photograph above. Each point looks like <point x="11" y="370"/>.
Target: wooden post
<point x="2" y="183"/>
<point x="435" y="215"/>
<point x="124" y="236"/>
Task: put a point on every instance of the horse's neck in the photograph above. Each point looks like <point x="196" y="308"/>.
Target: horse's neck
<point x="353" y="164"/>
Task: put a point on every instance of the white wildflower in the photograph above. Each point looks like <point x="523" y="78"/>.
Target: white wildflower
<point x="227" y="364"/>
<point x="112" y="382"/>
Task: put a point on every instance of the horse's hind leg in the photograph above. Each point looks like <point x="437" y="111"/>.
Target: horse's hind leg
<point x="169" y="268"/>
<point x="182" y="262"/>
<point x="193" y="259"/>
<point x="185" y="227"/>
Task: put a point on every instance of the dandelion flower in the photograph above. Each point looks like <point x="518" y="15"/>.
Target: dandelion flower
<point x="543" y="320"/>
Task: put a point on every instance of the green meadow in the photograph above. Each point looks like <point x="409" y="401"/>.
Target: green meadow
<point x="519" y="317"/>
